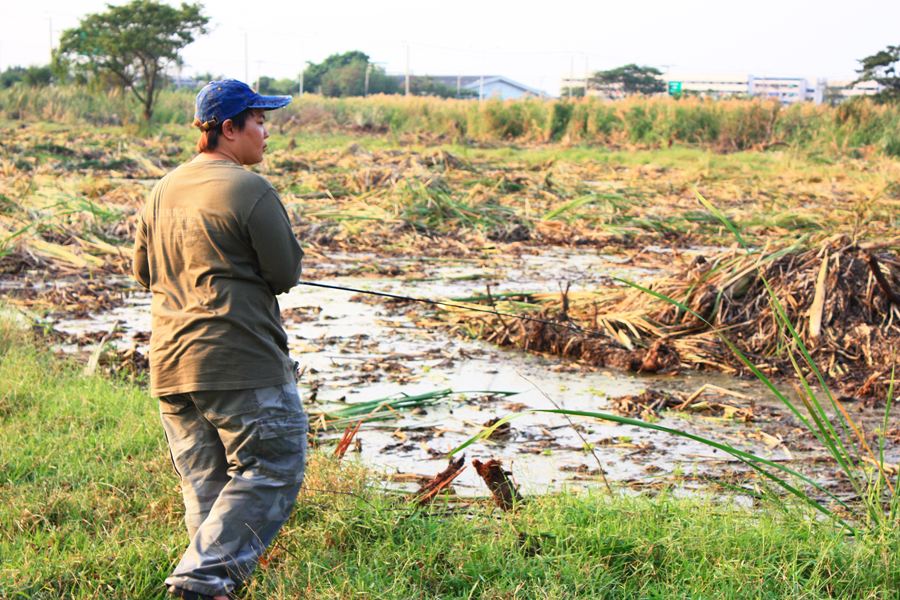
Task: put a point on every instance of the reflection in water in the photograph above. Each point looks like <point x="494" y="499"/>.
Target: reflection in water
<point x="352" y="348"/>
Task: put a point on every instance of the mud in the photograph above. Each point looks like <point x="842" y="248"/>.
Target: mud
<point x="354" y="348"/>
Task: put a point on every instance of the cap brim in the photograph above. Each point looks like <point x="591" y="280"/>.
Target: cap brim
<point x="270" y="102"/>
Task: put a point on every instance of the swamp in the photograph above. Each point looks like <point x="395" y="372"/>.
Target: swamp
<point x="512" y="303"/>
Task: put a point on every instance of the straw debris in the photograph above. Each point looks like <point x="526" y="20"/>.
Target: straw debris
<point x="839" y="296"/>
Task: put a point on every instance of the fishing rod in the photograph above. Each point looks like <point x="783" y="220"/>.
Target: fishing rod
<point x="497" y="313"/>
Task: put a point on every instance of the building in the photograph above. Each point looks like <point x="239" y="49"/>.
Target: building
<point x="575" y="86"/>
<point x="703" y="85"/>
<point x="786" y="90"/>
<point x="838" y="90"/>
<point x="495" y="86"/>
<point x="480" y="86"/>
<point x="707" y="85"/>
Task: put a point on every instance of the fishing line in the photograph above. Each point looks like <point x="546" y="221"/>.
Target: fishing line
<point x="574" y="328"/>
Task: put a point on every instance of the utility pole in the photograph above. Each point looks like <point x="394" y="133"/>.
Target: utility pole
<point x="246" y="60"/>
<point x="301" y="71"/>
<point x="586" y="75"/>
<point x="458" y="85"/>
<point x="571" y="75"/>
<point x="406" y="85"/>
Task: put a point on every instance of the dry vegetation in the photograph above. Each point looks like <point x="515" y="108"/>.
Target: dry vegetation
<point x="69" y="195"/>
<point x="842" y="298"/>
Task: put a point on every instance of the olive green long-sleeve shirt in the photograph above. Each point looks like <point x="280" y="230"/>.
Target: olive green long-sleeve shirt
<point x="214" y="245"/>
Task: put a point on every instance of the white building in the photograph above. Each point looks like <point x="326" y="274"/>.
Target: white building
<point x="708" y="85"/>
<point x="496" y="86"/>
<point x="484" y="86"/>
<point x="838" y="90"/>
<point x="786" y="90"/>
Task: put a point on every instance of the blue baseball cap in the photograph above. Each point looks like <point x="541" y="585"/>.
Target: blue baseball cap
<point x="221" y="100"/>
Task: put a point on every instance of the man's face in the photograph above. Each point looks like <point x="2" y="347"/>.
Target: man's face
<point x="250" y="142"/>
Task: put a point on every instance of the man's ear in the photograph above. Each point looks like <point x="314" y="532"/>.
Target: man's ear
<point x="228" y="129"/>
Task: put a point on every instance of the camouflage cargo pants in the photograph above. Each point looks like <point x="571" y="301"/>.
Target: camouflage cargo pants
<point x="241" y="456"/>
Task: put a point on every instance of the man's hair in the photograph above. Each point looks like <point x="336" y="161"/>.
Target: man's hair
<point x="210" y="132"/>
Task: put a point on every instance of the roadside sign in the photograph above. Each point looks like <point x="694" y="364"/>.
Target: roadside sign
<point x="674" y="88"/>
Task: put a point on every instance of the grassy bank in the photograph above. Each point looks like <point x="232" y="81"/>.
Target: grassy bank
<point x="89" y="508"/>
<point x="728" y="125"/>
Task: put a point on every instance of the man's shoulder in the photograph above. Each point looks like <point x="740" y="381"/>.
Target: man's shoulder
<point x="244" y="181"/>
<point x="231" y="179"/>
<point x="246" y="174"/>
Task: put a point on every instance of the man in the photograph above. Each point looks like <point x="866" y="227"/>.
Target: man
<point x="214" y="246"/>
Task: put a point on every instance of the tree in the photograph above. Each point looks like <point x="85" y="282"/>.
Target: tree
<point x="883" y="67"/>
<point x="277" y="87"/>
<point x="30" y="76"/>
<point x="313" y="74"/>
<point x="630" y="79"/>
<point x="346" y="80"/>
<point x="345" y="75"/>
<point x="132" y="45"/>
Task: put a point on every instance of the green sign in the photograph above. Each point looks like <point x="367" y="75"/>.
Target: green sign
<point x="674" y="88"/>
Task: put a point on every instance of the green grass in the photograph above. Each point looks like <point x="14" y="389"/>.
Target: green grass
<point x="89" y="508"/>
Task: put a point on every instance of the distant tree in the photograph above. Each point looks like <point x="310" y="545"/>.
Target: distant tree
<point x="631" y="79"/>
<point x="30" y="76"/>
<point x="314" y="72"/>
<point x="345" y="75"/>
<point x="883" y="67"/>
<point x="131" y="45"/>
<point x="427" y="86"/>
<point x="345" y="80"/>
<point x="278" y="87"/>
<point x="11" y="77"/>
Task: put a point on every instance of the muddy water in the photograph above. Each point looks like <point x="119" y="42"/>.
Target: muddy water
<point x="352" y="349"/>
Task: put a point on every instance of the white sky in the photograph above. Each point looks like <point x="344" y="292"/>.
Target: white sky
<point x="536" y="43"/>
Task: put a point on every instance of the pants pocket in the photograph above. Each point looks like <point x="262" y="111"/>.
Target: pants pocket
<point x="175" y="404"/>
<point x="279" y="398"/>
<point x="281" y="446"/>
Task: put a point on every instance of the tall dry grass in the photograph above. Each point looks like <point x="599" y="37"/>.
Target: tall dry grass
<point x="724" y="125"/>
